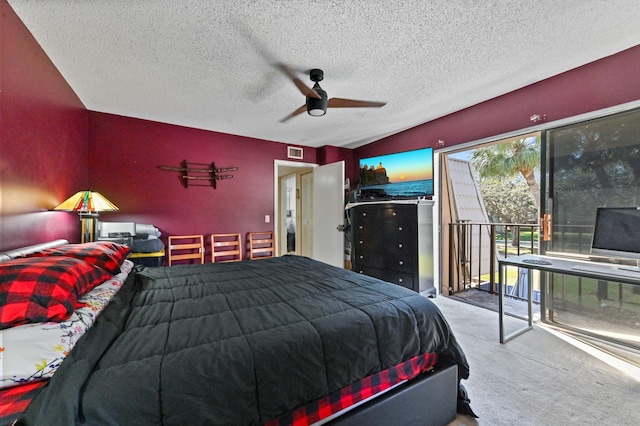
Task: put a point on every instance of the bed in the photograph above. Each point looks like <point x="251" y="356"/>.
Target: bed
<point x="285" y="340"/>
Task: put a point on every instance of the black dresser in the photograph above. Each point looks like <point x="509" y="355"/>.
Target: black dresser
<point x="393" y="241"/>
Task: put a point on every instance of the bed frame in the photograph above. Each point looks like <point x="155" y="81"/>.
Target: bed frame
<point x="430" y="399"/>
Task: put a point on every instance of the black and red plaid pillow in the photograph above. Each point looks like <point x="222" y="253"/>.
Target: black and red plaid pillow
<point x="44" y="288"/>
<point x="105" y="254"/>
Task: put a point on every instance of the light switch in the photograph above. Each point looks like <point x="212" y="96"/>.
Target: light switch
<point x="267" y="218"/>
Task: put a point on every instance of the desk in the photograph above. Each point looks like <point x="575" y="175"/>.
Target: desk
<point x="558" y="265"/>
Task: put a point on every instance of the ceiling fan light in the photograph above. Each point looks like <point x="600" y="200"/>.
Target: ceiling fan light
<point x="317" y="107"/>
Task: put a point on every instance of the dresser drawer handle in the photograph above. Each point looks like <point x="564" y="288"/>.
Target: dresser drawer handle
<point x="400" y="262"/>
<point x="400" y="280"/>
<point x="360" y="227"/>
<point x="399" y="228"/>
<point x="361" y="257"/>
<point x="360" y="242"/>
<point x="400" y="245"/>
<point x="394" y="213"/>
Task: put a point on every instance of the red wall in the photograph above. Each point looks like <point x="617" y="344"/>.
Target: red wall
<point x="608" y="82"/>
<point x="43" y="141"/>
<point x="124" y="160"/>
<point x="50" y="147"/>
<point x="332" y="154"/>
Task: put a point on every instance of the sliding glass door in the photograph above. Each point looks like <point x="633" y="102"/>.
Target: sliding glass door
<point x="588" y="165"/>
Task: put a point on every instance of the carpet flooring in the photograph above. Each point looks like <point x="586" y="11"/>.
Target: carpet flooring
<point x="539" y="378"/>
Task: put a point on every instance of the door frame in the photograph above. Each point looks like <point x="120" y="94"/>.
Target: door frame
<point x="442" y="149"/>
<point x="283" y="208"/>
<point x="277" y="164"/>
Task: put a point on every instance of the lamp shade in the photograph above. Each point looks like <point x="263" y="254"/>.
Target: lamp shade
<point x="87" y="201"/>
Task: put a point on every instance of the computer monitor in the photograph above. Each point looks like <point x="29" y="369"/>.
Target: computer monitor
<point x="617" y="232"/>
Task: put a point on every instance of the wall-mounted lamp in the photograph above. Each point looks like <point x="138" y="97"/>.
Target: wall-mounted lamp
<point x="88" y="204"/>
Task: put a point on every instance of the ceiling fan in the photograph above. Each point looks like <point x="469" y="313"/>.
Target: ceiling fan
<point x="317" y="102"/>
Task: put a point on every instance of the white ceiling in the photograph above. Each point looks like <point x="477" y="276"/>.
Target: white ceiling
<point x="209" y="64"/>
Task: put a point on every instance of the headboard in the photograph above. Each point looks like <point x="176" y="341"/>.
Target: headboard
<point x="23" y="251"/>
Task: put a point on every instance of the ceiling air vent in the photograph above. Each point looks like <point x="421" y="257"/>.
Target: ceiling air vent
<point x="294" y="152"/>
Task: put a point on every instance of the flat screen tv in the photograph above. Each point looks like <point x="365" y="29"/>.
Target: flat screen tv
<point x="398" y="176"/>
<point x="617" y="232"/>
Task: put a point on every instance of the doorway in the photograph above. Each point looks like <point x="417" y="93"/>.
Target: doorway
<point x="291" y="205"/>
<point x="487" y="183"/>
<point x="318" y="217"/>
<point x="289" y="194"/>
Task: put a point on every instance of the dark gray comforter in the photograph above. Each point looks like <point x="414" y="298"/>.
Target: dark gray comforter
<point x="237" y="343"/>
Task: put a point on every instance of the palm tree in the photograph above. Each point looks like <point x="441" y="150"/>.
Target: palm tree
<point x="510" y="159"/>
<point x="507" y="160"/>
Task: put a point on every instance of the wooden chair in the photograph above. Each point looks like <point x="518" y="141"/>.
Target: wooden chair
<point x="261" y="245"/>
<point x="226" y="248"/>
<point x="186" y="247"/>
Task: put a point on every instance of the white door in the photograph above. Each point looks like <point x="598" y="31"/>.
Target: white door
<point x="328" y="213"/>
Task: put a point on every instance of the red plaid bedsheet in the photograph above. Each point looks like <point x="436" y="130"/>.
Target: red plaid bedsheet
<point x="16" y="399"/>
<point x="356" y="392"/>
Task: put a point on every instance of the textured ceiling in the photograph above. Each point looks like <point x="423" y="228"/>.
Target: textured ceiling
<point x="209" y="64"/>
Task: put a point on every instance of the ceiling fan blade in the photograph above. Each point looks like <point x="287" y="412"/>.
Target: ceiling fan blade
<point x="298" y="111"/>
<point x="306" y="90"/>
<point x="352" y="103"/>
